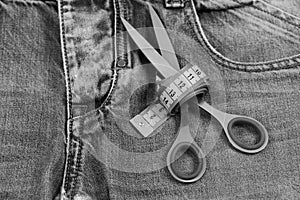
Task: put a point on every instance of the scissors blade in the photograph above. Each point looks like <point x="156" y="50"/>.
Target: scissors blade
<point x="162" y="66"/>
<point x="164" y="42"/>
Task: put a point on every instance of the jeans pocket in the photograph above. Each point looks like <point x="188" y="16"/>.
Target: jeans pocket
<point x="253" y="37"/>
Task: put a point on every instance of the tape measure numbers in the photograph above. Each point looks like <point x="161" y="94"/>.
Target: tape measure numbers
<point x="180" y="85"/>
<point x="174" y="89"/>
<point x="150" y="118"/>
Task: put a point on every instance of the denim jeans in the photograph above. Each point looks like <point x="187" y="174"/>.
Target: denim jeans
<point x="32" y="101"/>
<point x="250" y="51"/>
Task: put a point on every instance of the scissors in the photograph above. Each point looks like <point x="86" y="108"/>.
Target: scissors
<point x="167" y="65"/>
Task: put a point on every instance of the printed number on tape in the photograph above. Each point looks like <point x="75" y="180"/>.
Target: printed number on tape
<point x="174" y="90"/>
<point x="150" y="119"/>
<point x="182" y="84"/>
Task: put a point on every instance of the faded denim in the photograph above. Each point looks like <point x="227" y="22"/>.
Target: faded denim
<point x="253" y="48"/>
<point x="32" y="101"/>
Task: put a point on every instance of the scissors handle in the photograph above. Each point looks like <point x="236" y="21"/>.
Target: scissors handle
<point x="228" y="121"/>
<point x="200" y="163"/>
<point x="259" y="129"/>
<point x="185" y="141"/>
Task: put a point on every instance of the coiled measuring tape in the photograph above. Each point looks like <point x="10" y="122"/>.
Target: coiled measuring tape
<point x="188" y="82"/>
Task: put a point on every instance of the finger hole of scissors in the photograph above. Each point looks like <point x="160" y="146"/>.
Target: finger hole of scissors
<point x="199" y="164"/>
<point x="239" y="124"/>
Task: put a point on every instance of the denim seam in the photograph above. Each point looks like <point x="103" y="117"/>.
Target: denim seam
<point x="121" y="9"/>
<point x="34" y="2"/>
<point x="259" y="7"/>
<point x="73" y="162"/>
<point x="74" y="145"/>
<point x="69" y="97"/>
<point x="74" y="167"/>
<point x="283" y="63"/>
<point x="120" y="48"/>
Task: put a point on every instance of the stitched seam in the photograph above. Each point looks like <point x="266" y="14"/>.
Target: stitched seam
<point x="73" y="163"/>
<point x="68" y="94"/>
<point x="276" y="16"/>
<point x="121" y="39"/>
<point x="284" y="63"/>
<point x="120" y="49"/>
<point x="74" y="167"/>
<point x="284" y="12"/>
<point x="252" y="67"/>
<point x="51" y="3"/>
<point x="114" y="76"/>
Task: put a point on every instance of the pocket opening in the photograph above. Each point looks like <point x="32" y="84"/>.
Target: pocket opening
<point x="286" y="62"/>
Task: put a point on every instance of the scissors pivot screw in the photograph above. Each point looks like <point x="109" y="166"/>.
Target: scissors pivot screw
<point x="141" y="124"/>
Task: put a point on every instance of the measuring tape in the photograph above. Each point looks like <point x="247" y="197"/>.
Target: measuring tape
<point x="174" y="89"/>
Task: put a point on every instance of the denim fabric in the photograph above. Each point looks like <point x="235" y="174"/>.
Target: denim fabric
<point x="251" y="52"/>
<point x="32" y="101"/>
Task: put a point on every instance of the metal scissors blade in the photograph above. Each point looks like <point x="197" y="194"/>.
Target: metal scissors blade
<point x="164" y="42"/>
<point x="162" y="65"/>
